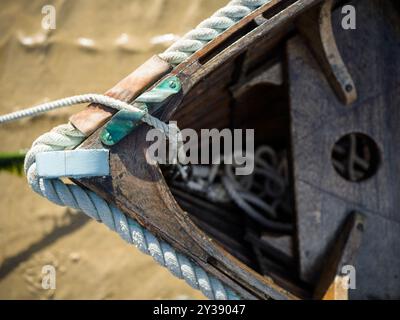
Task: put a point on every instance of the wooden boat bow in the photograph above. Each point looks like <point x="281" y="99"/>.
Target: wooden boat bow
<point x="139" y="189"/>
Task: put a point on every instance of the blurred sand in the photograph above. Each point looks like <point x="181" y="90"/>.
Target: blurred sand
<point x="96" y="43"/>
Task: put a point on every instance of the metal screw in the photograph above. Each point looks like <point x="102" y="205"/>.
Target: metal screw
<point x="172" y="84"/>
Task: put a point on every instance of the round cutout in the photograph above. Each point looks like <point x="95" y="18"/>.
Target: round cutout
<point x="355" y="157"/>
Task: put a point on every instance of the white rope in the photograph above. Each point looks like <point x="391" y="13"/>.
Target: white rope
<point x="244" y="196"/>
<point x="71" y="195"/>
<point x="67" y="136"/>
<point x="65" y="102"/>
<point x="209" y="29"/>
<point x="94" y="98"/>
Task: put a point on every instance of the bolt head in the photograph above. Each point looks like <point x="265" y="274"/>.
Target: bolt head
<point x="172" y="84"/>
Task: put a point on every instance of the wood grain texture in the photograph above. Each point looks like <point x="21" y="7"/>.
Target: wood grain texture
<point x="95" y="115"/>
<point x="331" y="285"/>
<point x="324" y="199"/>
<point x="316" y="27"/>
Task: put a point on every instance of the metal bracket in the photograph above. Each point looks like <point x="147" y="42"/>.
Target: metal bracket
<point x="125" y="121"/>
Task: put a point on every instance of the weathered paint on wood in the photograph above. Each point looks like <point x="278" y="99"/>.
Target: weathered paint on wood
<point x="73" y="163"/>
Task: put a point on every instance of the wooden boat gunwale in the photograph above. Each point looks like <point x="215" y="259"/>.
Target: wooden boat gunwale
<point x="140" y="190"/>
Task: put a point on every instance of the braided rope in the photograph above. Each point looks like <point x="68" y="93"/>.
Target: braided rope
<point x="65" y="102"/>
<point x="64" y="133"/>
<point x="66" y="136"/>
<point x="209" y="29"/>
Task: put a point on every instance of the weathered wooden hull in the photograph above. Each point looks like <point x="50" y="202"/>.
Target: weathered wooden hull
<point x="229" y="84"/>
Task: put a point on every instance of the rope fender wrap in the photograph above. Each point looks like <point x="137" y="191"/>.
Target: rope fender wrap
<point x="209" y="29"/>
<point x="66" y="136"/>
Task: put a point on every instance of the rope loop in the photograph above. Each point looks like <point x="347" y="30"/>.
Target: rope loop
<point x="67" y="136"/>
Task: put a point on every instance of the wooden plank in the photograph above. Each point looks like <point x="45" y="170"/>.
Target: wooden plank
<point x="323" y="198"/>
<point x="95" y="115"/>
<point x="334" y="282"/>
<point x="139" y="189"/>
<point x="316" y="26"/>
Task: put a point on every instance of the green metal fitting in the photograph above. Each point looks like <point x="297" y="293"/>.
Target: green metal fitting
<point x="121" y="124"/>
<point x="125" y="121"/>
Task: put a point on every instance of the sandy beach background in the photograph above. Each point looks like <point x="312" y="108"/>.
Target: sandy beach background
<point x="95" y="44"/>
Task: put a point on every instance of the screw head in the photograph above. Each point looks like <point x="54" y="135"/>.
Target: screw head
<point x="108" y="136"/>
<point x="172" y="84"/>
<point x="349" y="88"/>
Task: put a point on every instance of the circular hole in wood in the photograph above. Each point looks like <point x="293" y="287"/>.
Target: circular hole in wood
<point x="355" y="157"/>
